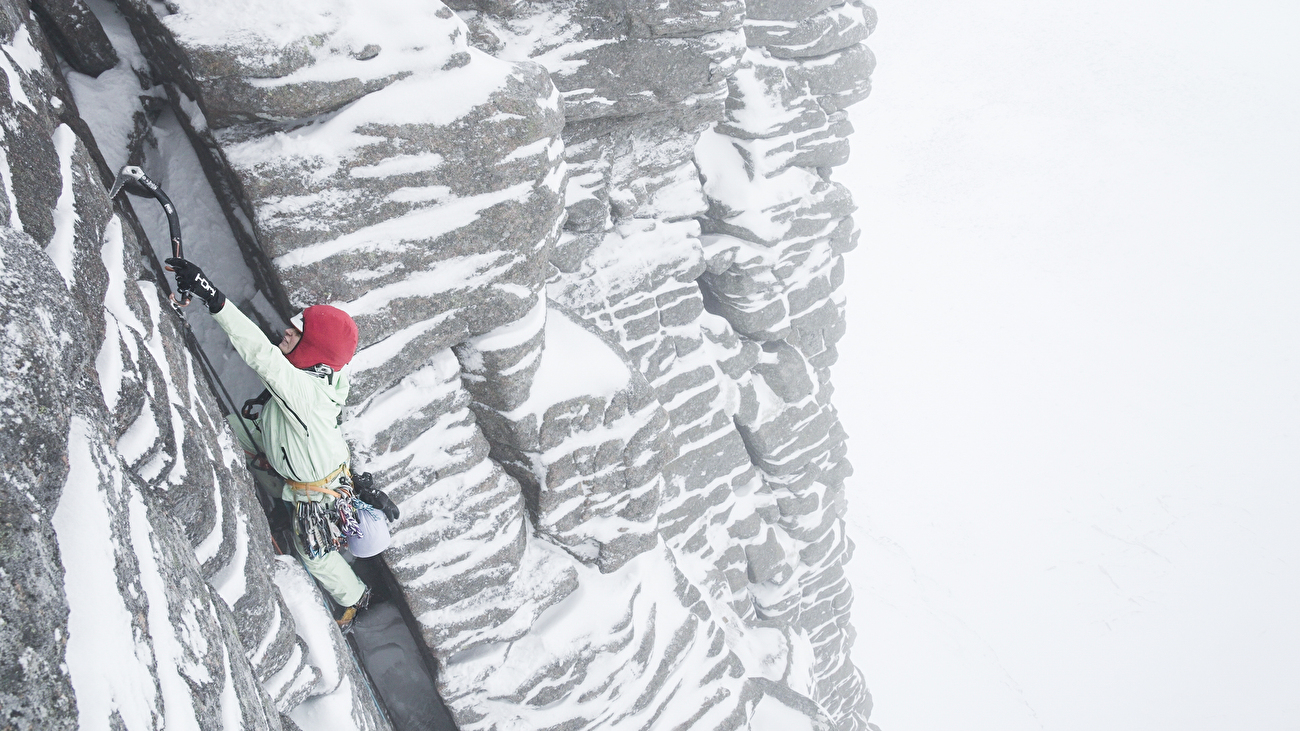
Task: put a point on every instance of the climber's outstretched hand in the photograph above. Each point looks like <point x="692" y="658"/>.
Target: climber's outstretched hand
<point x="190" y="279"/>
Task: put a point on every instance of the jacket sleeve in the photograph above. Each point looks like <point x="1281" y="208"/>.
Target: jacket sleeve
<point x="297" y="390"/>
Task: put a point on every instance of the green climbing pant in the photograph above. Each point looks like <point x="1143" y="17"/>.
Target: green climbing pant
<point x="333" y="572"/>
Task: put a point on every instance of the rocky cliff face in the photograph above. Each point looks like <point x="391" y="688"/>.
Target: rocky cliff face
<point x="594" y="251"/>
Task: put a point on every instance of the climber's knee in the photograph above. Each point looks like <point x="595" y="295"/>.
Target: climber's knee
<point x="333" y="573"/>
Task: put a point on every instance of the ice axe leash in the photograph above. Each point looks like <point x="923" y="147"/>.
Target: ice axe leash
<point x="133" y="180"/>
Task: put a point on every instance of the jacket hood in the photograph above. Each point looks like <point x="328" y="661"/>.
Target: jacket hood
<point x="329" y="336"/>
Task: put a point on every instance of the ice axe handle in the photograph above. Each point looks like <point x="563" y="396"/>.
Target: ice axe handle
<point x="182" y="297"/>
<point x="132" y="179"/>
<point x="173" y="220"/>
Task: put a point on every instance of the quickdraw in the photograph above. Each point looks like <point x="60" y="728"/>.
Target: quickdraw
<point x="325" y="528"/>
<point x="317" y="532"/>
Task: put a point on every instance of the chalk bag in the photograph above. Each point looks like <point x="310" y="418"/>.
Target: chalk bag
<point x="371" y="536"/>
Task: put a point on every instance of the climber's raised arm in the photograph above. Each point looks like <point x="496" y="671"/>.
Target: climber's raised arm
<point x="273" y="364"/>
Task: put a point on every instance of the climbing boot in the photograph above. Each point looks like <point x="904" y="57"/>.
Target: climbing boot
<point x="350" y="614"/>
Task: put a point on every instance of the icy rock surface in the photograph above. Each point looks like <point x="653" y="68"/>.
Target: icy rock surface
<point x="594" y="251"/>
<point x="111" y="450"/>
<point x="138" y="581"/>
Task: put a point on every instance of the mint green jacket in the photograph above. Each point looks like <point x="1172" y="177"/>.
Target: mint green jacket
<point x="299" y="427"/>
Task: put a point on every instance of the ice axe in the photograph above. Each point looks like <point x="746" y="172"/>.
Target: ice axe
<point x="133" y="180"/>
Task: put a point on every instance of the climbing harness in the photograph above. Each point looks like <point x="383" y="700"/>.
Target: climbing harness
<point x="319" y="485"/>
<point x="257" y="402"/>
<point x="326" y="526"/>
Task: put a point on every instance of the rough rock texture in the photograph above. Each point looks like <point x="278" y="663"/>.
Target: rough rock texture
<point x="34" y="435"/>
<point x="75" y="30"/>
<point x="775" y="232"/>
<point x="112" y="449"/>
<point x="138" y="577"/>
<point x="594" y="251"/>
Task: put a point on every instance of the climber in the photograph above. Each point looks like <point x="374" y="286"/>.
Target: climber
<point x="299" y="428"/>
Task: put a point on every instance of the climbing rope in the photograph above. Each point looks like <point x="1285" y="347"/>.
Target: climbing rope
<point x="133" y="180"/>
<point x="322" y="529"/>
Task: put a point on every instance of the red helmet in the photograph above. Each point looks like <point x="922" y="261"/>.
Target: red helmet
<point x="329" y="336"/>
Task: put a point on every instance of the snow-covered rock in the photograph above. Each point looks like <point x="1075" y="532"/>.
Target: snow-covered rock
<point x="135" y="544"/>
<point x="776" y="229"/>
<point x="163" y="545"/>
<point x="594" y="251"/>
<point x="73" y="28"/>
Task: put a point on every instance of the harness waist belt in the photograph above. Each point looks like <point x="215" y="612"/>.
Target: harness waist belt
<point x="319" y="485"/>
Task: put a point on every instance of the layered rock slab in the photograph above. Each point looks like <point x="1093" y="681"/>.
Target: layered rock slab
<point x="137" y="631"/>
<point x="624" y="651"/>
<point x="627" y="267"/>
<point x="463" y="551"/>
<point x="618" y="60"/>
<point x="170" y="614"/>
<point x="750" y="516"/>
<point x="418" y="200"/>
<point x="588" y="442"/>
<point x="490" y="590"/>
<point x="775" y="232"/>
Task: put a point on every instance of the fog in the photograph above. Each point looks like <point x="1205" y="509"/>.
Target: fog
<point x="1071" y="372"/>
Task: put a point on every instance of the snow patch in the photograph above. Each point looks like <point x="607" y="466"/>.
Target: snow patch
<point x="15" y="80"/>
<point x="62" y="246"/>
<point x="110" y="671"/>
<point x="595" y="371"/>
<point x="515" y="333"/>
<point x="422" y="224"/>
<point x="772" y="715"/>
<point x="23" y="52"/>
<point x="230" y="581"/>
<point x="329" y="712"/>
<point x="232" y="715"/>
<point x="272" y="631"/>
<point x="529" y="150"/>
<point x="112" y="254"/>
<point x="461" y="272"/>
<point x="313" y="624"/>
<point x="192" y="110"/>
<point x="399" y="165"/>
<point x="373" y="356"/>
<point x="108" y="363"/>
<point x="178" y="701"/>
<point x="209" y="546"/>
<point x="7" y="178"/>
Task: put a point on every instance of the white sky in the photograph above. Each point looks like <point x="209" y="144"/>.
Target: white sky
<point x="1071" y="369"/>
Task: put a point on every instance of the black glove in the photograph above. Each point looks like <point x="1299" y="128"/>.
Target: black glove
<point x="190" y="278"/>
<point x="365" y="485"/>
